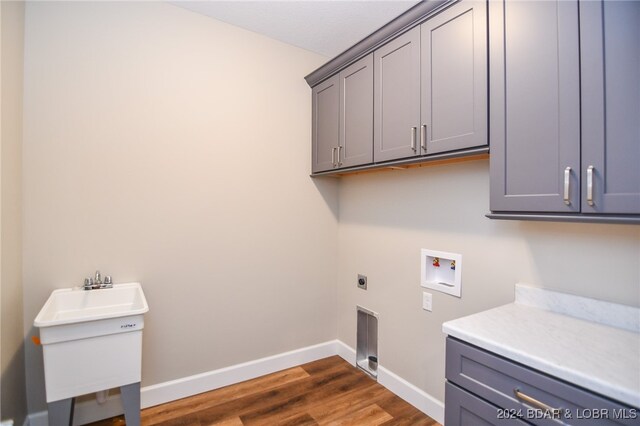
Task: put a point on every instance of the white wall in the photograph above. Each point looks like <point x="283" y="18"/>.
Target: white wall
<point x="170" y="148"/>
<point x="387" y="217"/>
<point x="13" y="400"/>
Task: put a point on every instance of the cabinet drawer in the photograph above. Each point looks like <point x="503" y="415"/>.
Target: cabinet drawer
<point x="465" y="409"/>
<point x="496" y="379"/>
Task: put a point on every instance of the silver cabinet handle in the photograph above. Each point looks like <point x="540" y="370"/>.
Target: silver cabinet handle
<point x="590" y="185"/>
<point x="423" y="137"/>
<point x="333" y="156"/>
<point x="339" y="151"/>
<point x="413" y="138"/>
<point x="555" y="412"/>
<point x="567" y="184"/>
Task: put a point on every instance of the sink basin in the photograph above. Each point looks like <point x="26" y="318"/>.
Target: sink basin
<point x="68" y="305"/>
<point x="91" y="339"/>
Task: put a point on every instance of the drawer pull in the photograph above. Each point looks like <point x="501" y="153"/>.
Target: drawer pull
<point x="555" y="412"/>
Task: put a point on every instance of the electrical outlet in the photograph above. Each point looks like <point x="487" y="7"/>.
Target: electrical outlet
<point x="427" y="302"/>
<point x="362" y="281"/>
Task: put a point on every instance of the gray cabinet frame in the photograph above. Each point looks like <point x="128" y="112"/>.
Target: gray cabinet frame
<point x="610" y="55"/>
<point x="325" y="128"/>
<point x="356" y="114"/>
<point x="454" y="78"/>
<point x="535" y="114"/>
<point x="397" y="97"/>
<point x="596" y="129"/>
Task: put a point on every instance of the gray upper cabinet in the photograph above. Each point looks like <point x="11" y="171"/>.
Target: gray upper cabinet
<point x="411" y="92"/>
<point x="356" y="114"/>
<point x="565" y="110"/>
<point x="610" y="54"/>
<point x="397" y="97"/>
<point x="431" y="86"/>
<point x="534" y="104"/>
<point x="325" y="128"/>
<point x="454" y="78"/>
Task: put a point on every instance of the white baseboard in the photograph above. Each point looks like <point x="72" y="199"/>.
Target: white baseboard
<point x="181" y="388"/>
<point x="91" y="411"/>
<point x="424" y="402"/>
<point x="346" y="352"/>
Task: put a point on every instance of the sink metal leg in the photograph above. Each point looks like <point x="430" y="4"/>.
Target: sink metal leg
<point x="61" y="412"/>
<point x="131" y="402"/>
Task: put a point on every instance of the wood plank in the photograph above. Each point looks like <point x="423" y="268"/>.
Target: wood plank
<point x="269" y="403"/>
<point x="370" y="415"/>
<point x="322" y="365"/>
<point x="233" y="421"/>
<point x="303" y="419"/>
<point x="160" y="413"/>
<point x="326" y="413"/>
<point x="327" y="395"/>
<point x="329" y="391"/>
<point x="186" y="420"/>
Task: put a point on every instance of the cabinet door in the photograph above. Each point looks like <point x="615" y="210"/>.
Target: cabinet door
<point x="454" y="78"/>
<point x="356" y="114"/>
<point x="534" y="104"/>
<point x="325" y="98"/>
<point x="610" y="53"/>
<point x="397" y="97"/>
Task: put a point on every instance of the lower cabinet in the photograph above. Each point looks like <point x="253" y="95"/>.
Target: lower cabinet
<point x="486" y="389"/>
<point x="464" y="408"/>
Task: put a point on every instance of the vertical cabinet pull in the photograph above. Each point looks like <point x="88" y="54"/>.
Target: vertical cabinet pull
<point x="590" y="185"/>
<point x="413" y="138"/>
<point x="567" y="184"/>
<point x="339" y="151"/>
<point x="333" y="156"/>
<point x="423" y="138"/>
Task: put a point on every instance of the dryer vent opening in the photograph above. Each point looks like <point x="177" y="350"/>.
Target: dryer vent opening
<point x="367" y="341"/>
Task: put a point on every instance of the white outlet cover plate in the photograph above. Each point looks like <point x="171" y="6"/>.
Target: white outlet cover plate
<point x="441" y="278"/>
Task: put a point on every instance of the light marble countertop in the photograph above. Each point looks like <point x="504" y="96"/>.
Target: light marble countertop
<point x="595" y="356"/>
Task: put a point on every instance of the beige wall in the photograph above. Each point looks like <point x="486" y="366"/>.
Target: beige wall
<point x="387" y="217"/>
<point x="166" y="147"/>
<point x="13" y="400"/>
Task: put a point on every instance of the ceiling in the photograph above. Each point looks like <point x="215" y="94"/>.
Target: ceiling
<point x="327" y="27"/>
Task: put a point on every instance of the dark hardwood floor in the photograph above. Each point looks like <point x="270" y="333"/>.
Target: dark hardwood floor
<point x="329" y="391"/>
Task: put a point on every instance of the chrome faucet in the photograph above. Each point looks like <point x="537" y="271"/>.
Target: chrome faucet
<point x="93" y="284"/>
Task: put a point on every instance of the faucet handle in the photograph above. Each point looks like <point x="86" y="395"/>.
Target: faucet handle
<point x="88" y="283"/>
<point x="107" y="280"/>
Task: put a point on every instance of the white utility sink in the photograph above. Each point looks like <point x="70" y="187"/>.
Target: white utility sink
<point x="69" y="305"/>
<point x="91" y="339"/>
